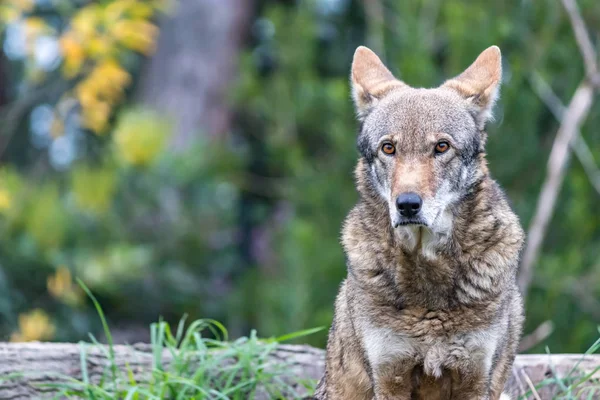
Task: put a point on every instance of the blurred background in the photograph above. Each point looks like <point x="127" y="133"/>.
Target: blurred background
<point x="196" y="156"/>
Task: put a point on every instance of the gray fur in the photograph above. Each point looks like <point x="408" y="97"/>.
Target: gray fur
<point x="430" y="309"/>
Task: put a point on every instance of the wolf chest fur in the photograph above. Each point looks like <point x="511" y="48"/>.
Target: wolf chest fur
<point x="430" y="308"/>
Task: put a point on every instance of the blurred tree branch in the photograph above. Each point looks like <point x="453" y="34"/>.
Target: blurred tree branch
<point x="584" y="42"/>
<point x="538" y="335"/>
<point x="575" y="114"/>
<point x="579" y="145"/>
<point x="573" y="117"/>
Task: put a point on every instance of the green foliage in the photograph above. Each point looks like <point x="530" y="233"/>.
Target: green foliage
<point x="245" y="228"/>
<point x="301" y="105"/>
<point x="99" y="221"/>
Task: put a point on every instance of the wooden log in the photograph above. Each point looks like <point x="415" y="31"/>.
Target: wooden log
<point x="26" y="369"/>
<point x="532" y="369"/>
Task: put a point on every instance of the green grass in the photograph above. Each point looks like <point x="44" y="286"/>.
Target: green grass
<point x="203" y="365"/>
<point x="573" y="386"/>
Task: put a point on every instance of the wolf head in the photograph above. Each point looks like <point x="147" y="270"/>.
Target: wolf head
<point x="422" y="149"/>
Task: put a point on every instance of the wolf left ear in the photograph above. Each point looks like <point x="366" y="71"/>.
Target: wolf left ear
<point x="371" y="80"/>
<point x="480" y="83"/>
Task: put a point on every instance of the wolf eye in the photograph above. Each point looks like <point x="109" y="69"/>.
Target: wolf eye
<point x="388" y="148"/>
<point x="441" y="147"/>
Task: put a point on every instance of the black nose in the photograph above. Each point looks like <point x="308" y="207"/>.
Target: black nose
<point x="409" y="204"/>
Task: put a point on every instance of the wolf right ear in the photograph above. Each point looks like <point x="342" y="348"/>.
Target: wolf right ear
<point x="371" y="80"/>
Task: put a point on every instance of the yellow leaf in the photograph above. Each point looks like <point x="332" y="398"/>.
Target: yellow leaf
<point x="23" y="5"/>
<point x="140" y="10"/>
<point x="34" y="325"/>
<point x="99" y="47"/>
<point x="115" y="11"/>
<point x="34" y="25"/>
<point x="5" y="200"/>
<point x="112" y="73"/>
<point x="87" y="94"/>
<point x="96" y="117"/>
<point x="136" y="35"/>
<point x="73" y="55"/>
<point x="8" y="14"/>
<point x="85" y="22"/>
<point x="60" y="285"/>
<point x="139" y="137"/>
<point x="107" y="83"/>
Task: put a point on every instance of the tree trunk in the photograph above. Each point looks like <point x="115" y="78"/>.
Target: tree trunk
<point x="25" y="367"/>
<point x="194" y="64"/>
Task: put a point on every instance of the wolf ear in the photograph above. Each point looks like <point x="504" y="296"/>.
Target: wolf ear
<point x="480" y="83"/>
<point x="371" y="80"/>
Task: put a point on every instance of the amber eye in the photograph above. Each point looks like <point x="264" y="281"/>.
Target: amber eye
<point x="388" y="148"/>
<point x="441" y="147"/>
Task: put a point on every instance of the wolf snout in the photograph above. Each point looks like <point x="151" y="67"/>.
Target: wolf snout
<point x="409" y="204"/>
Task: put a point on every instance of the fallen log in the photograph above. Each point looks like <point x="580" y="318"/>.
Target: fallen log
<point x="29" y="370"/>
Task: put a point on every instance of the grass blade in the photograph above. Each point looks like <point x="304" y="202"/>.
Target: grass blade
<point x="298" y="334"/>
<point x="111" y="349"/>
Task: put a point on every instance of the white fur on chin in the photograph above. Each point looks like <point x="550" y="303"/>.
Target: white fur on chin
<point x="504" y="396"/>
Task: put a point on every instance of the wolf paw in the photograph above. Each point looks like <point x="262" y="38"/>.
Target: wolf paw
<point x="457" y="354"/>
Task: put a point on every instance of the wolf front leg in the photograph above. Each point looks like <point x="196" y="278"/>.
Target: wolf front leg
<point x="470" y="386"/>
<point x="350" y="382"/>
<point x="346" y="376"/>
<point x="469" y="368"/>
<point x="393" y="380"/>
<point x="506" y="352"/>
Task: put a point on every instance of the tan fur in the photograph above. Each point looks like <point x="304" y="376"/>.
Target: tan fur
<point x="413" y="177"/>
<point x="429" y="310"/>
<point x="371" y="80"/>
<point x="480" y="81"/>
